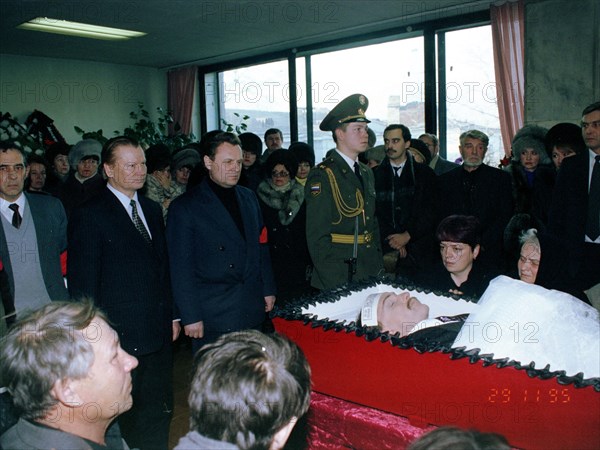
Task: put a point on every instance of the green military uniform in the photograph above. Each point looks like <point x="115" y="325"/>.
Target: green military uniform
<point x="337" y="206"/>
<point x="334" y="200"/>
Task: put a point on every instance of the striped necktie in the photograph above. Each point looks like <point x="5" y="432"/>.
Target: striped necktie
<point x="137" y="221"/>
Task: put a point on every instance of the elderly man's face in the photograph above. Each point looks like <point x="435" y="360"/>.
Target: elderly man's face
<point x="127" y="173"/>
<point x="399" y="313"/>
<point x="472" y="151"/>
<point x="12" y="174"/>
<point x="529" y="263"/>
<point x="106" y="390"/>
<point x="433" y="149"/>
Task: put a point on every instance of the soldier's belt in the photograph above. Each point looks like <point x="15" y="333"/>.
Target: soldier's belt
<point x="349" y="238"/>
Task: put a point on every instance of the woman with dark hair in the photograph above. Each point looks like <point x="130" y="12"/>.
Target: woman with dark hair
<point x="57" y="157"/>
<point x="252" y="173"/>
<point x="458" y="272"/>
<point x="563" y="140"/>
<point x="281" y="200"/>
<point x="305" y="155"/>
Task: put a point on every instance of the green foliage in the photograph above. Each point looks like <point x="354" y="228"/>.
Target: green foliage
<point x="146" y="131"/>
<point x="239" y="128"/>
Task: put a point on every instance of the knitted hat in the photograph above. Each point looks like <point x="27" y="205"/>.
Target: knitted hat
<point x="185" y="157"/>
<point x="83" y="149"/>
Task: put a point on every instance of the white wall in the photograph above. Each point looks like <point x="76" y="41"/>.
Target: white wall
<point x="88" y="94"/>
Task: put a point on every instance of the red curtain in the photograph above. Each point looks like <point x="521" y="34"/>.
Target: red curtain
<point x="180" y="97"/>
<point x="508" y="35"/>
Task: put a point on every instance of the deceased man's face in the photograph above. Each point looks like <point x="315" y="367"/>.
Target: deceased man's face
<point x="400" y="312"/>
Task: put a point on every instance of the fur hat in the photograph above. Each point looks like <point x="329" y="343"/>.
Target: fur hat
<point x="565" y="134"/>
<point x="303" y="152"/>
<point x="185" y="157"/>
<point x="83" y="149"/>
<point x="530" y="136"/>
<point x="251" y="143"/>
<point x="158" y="157"/>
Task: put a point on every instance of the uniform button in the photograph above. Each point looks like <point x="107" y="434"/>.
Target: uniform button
<point x="221" y="248"/>
<point x="231" y="266"/>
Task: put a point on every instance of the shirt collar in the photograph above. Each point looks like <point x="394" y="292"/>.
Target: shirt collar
<point x="125" y="200"/>
<point x="348" y="160"/>
<point x="20" y="201"/>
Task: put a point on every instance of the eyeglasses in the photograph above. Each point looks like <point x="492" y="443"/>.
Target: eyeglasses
<point x="275" y="174"/>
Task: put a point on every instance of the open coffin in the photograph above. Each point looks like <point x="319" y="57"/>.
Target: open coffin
<point x="529" y="368"/>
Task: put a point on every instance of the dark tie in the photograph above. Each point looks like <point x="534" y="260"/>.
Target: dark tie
<point x="138" y="222"/>
<point x="16" y="218"/>
<point x="396" y="170"/>
<point x="592" y="229"/>
<point x="357" y="172"/>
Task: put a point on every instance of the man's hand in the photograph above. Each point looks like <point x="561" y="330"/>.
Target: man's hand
<point x="194" y="330"/>
<point x="269" y="302"/>
<point x="176" y="329"/>
<point x="398" y="240"/>
<point x="402" y="252"/>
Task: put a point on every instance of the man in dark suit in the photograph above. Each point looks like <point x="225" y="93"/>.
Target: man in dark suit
<point x="220" y="265"/>
<point x="575" y="211"/>
<point x="406" y="205"/>
<point x="118" y="257"/>
<point x="476" y="189"/>
<point x="33" y="233"/>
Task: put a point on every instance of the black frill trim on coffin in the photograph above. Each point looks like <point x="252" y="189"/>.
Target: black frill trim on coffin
<point x="293" y="311"/>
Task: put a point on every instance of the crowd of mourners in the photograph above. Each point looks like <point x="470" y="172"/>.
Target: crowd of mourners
<point x="408" y="214"/>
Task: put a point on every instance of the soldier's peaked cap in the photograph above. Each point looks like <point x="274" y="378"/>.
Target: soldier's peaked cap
<point x="351" y="109"/>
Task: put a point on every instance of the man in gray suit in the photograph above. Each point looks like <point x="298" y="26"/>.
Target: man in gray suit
<point x="33" y="233"/>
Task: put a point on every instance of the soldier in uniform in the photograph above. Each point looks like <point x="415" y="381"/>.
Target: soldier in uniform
<point x="341" y="229"/>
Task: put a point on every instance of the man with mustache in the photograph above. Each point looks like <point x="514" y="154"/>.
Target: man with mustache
<point x="406" y="205"/>
<point x="476" y="189"/>
<point x="340" y="202"/>
<point x="117" y="256"/>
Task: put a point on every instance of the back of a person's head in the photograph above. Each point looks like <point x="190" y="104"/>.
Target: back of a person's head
<point x="247" y="386"/>
<point x="450" y="438"/>
<point x="45" y="346"/>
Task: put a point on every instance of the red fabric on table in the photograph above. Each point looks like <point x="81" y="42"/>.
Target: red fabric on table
<point x="334" y="424"/>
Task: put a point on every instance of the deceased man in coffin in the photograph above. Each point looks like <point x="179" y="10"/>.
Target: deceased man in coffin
<point x="513" y="319"/>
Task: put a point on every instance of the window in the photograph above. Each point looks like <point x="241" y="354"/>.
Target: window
<point x="260" y="92"/>
<point x="390" y="75"/>
<point x="470" y="91"/>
